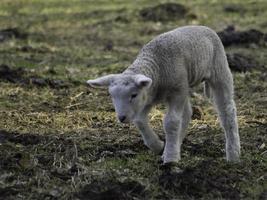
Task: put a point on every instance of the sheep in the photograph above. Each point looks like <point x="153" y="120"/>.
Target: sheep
<point x="163" y="72"/>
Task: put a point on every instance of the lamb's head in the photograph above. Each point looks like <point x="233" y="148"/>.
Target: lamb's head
<point x="128" y="92"/>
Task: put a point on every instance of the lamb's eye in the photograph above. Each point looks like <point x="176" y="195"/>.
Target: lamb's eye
<point x="133" y="96"/>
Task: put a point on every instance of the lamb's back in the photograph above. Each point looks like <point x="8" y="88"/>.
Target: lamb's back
<point x="184" y="52"/>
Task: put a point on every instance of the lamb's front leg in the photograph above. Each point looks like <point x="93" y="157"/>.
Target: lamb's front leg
<point x="151" y="139"/>
<point x="173" y="128"/>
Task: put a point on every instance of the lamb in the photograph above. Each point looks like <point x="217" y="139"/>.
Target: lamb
<point x="163" y="72"/>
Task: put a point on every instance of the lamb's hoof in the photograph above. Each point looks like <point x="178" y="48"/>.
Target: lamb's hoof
<point x="233" y="160"/>
<point x="233" y="156"/>
<point x="171" y="168"/>
<point x="161" y="151"/>
<point x="170" y="174"/>
<point x="158" y="148"/>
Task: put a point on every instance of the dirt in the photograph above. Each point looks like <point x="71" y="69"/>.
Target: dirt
<point x="23" y="77"/>
<point x="10" y="33"/>
<point x="230" y="36"/>
<point x="164" y="12"/>
<point x="206" y="148"/>
<point x="203" y="178"/>
<point x="24" y="139"/>
<point x="240" y="63"/>
<point x="20" y="147"/>
<point x="27" y="150"/>
<point x="116" y="151"/>
<point x="9" y="74"/>
<point x="108" y="46"/>
<point x="110" y="189"/>
<point x="234" y="8"/>
<point x="197" y="113"/>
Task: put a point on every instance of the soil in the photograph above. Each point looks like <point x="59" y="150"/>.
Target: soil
<point x="197" y="113"/>
<point x="110" y="189"/>
<point x="230" y="36"/>
<point x="21" y="76"/>
<point x="24" y="139"/>
<point x="195" y="181"/>
<point x="164" y="12"/>
<point x="240" y="63"/>
<point x="9" y="33"/>
<point x="234" y="8"/>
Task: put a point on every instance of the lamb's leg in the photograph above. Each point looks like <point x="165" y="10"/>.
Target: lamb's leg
<point x="173" y="127"/>
<point x="186" y="118"/>
<point x="223" y="99"/>
<point x="151" y="139"/>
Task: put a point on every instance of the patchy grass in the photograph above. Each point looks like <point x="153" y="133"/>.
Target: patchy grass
<point x="65" y="143"/>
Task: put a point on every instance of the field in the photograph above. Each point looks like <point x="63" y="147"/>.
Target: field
<point x="60" y="139"/>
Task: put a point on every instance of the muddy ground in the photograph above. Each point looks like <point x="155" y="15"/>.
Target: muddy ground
<point x="60" y="139"/>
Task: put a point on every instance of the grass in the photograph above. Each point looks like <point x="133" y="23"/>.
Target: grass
<point x="65" y="143"/>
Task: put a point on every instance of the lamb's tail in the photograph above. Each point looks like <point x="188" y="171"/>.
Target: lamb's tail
<point x="207" y="90"/>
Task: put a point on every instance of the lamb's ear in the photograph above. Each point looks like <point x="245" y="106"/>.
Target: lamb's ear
<point x="101" y="82"/>
<point x="143" y="81"/>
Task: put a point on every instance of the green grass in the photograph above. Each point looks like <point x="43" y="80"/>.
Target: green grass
<point x="60" y="142"/>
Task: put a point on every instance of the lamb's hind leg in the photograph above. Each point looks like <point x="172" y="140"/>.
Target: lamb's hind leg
<point x="186" y="118"/>
<point x="224" y="102"/>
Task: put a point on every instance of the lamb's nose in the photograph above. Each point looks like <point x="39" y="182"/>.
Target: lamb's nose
<point x="122" y="118"/>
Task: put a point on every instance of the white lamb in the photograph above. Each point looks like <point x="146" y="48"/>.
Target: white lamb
<point x="163" y="72"/>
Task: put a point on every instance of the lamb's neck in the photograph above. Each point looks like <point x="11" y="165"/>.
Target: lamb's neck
<point x="145" y="65"/>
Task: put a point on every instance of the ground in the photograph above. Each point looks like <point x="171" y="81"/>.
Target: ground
<point x="60" y="139"/>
